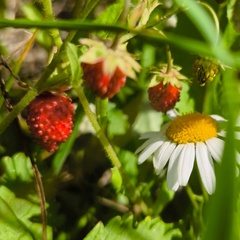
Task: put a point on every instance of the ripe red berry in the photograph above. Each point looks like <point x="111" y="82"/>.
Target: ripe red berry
<point x="50" y="119"/>
<point x="163" y="97"/>
<point x="105" y="69"/>
<point x="103" y="85"/>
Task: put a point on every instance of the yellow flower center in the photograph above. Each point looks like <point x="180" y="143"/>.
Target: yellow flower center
<point x="194" y="127"/>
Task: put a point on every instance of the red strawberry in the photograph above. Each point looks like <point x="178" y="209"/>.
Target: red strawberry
<point x="50" y="119"/>
<point x="165" y="86"/>
<point x="103" y="85"/>
<point x="105" y="69"/>
<point x="163" y="97"/>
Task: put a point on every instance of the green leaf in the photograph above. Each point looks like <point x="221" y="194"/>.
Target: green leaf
<point x="147" y="119"/>
<point x="186" y="104"/>
<point x="32" y="13"/>
<point x="97" y="232"/>
<point x="15" y="214"/>
<point x="117" y="121"/>
<point x="89" y="5"/>
<point x="220" y="215"/>
<point x="129" y="162"/>
<point x="233" y="13"/>
<point x="110" y="15"/>
<point x="196" y="11"/>
<point x="122" y="229"/>
<point x="17" y="168"/>
<point x="74" y="63"/>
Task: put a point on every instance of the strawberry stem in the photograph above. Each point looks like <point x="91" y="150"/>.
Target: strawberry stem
<point x="169" y="59"/>
<point x="78" y="13"/>
<point x="48" y="14"/>
<point x="122" y="19"/>
<point x="107" y="146"/>
<point x="129" y="189"/>
<point x="115" y="41"/>
<point x="101" y="111"/>
<point x="41" y="84"/>
<point x="197" y="203"/>
<point x="17" y="109"/>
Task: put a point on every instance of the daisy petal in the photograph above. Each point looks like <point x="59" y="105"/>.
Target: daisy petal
<point x="218" y="118"/>
<point x="150" y="135"/>
<point x="160" y="134"/>
<point x="162" y="155"/>
<point x="172" y="174"/>
<point x="215" y="147"/>
<point x="173" y="113"/>
<point x="147" y="143"/>
<point x="205" y="167"/>
<point x="148" y="151"/>
<point x="186" y="162"/>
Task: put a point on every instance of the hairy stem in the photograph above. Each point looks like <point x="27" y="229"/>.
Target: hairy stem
<point x="48" y="14"/>
<point x="101" y="111"/>
<point x="92" y="118"/>
<point x="131" y="192"/>
<point x="17" y="109"/>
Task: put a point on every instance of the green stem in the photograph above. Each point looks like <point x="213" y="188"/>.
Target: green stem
<point x="116" y="41"/>
<point x="101" y="111"/>
<point x="192" y="197"/>
<point x="128" y="187"/>
<point x="169" y="59"/>
<point x="161" y="19"/>
<point x="92" y="118"/>
<point x="197" y="203"/>
<point x="48" y="14"/>
<point x="17" y="109"/>
<point x="41" y="84"/>
<point x="63" y="24"/>
<point x="17" y="66"/>
<point x="83" y="13"/>
<point x="78" y="13"/>
<point x="215" y="18"/>
<point x="123" y="18"/>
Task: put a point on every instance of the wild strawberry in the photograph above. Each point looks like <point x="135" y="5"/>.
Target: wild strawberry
<point x="103" y="85"/>
<point x="205" y="70"/>
<point x="104" y="69"/>
<point x="164" y="89"/>
<point x="163" y="97"/>
<point x="50" y="119"/>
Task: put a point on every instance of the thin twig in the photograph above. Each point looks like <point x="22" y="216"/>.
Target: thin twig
<point x="114" y="205"/>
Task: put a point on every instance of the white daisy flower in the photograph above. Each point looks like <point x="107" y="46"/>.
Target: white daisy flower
<point x="179" y="143"/>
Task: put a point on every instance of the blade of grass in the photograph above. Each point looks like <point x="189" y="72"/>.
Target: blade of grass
<point x="220" y="216"/>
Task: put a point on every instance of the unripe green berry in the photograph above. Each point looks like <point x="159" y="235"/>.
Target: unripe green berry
<point x="205" y="70"/>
